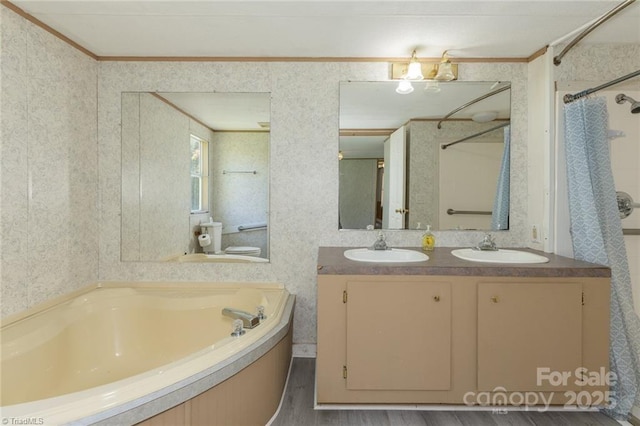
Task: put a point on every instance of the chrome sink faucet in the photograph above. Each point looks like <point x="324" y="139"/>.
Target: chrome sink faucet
<point x="380" y="243"/>
<point x="487" y="244"/>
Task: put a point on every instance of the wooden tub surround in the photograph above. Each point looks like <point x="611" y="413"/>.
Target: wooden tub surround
<point x="448" y="331"/>
<point x="250" y="397"/>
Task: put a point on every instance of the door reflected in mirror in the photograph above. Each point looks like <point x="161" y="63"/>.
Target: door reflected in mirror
<point x="190" y="159"/>
<point x="403" y="167"/>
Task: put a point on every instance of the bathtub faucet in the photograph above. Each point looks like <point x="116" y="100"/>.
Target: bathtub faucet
<point x="248" y="320"/>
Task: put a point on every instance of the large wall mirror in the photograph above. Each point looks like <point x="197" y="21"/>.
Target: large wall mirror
<point x="404" y="166"/>
<point x="190" y="159"/>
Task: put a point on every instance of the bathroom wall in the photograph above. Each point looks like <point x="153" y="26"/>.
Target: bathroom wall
<point x="154" y="212"/>
<point x="461" y="177"/>
<point x="303" y="166"/>
<point x="49" y="220"/>
<point x="155" y="208"/>
<point x="358" y="182"/>
<point x="240" y="198"/>
<point x="625" y="162"/>
<point x="423" y="174"/>
<point x="468" y="181"/>
<point x="53" y="232"/>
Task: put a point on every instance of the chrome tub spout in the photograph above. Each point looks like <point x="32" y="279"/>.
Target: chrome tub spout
<point x="248" y="320"/>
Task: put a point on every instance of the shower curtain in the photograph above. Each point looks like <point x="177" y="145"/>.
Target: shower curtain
<point x="500" y="215"/>
<point x="596" y="233"/>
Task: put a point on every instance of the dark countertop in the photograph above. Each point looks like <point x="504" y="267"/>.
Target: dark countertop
<point x="331" y="261"/>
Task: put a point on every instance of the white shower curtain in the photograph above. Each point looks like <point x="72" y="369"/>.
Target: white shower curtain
<point x="596" y="233"/>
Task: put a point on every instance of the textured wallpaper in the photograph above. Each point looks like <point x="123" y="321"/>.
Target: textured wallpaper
<point x="49" y="166"/>
<point x="433" y="181"/>
<point x="155" y="179"/>
<point x="358" y="182"/>
<point x="55" y="229"/>
<point x="303" y="184"/>
<point x="240" y="198"/>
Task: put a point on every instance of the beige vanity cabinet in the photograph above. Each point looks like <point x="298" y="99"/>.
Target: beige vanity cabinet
<point x="401" y="330"/>
<point x="532" y="331"/>
<point x="438" y="338"/>
<point x="394" y="339"/>
<point x="524" y="326"/>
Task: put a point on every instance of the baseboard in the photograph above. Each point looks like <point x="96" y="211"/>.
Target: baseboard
<point x="304" y="350"/>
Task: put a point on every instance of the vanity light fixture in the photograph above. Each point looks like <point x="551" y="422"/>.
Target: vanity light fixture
<point x="340" y="155"/>
<point x="414" y="73"/>
<point x="404" y="87"/>
<point x="414" y="70"/>
<point x="432" y="86"/>
<point x="445" y="69"/>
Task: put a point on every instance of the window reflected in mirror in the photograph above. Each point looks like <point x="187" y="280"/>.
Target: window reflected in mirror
<point x="199" y="157"/>
<point x="403" y="166"/>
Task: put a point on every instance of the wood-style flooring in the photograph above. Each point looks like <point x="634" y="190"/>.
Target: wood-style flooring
<point x="297" y="410"/>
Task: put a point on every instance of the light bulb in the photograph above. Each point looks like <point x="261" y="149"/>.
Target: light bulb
<point x="432" y="86"/>
<point x="404" y="87"/>
<point x="445" y="72"/>
<point x="414" y="72"/>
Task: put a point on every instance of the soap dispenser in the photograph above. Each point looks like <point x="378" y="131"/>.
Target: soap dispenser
<point x="428" y="240"/>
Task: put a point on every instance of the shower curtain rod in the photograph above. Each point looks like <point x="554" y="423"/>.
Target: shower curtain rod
<point x="485" y="96"/>
<point x="568" y="98"/>
<point x="499" y="126"/>
<point x="557" y="60"/>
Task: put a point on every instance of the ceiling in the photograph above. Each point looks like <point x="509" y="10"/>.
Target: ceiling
<point x="334" y="29"/>
<point x="225" y="111"/>
<point x="328" y="30"/>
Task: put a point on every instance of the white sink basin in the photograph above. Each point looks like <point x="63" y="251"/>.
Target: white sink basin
<point x="385" y="256"/>
<point x="500" y="256"/>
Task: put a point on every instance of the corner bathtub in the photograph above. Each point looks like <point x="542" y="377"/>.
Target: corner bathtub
<point x="124" y="352"/>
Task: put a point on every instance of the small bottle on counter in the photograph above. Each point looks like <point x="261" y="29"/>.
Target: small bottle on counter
<point x="428" y="240"/>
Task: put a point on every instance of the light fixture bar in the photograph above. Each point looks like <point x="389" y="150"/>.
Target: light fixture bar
<point x="399" y="69"/>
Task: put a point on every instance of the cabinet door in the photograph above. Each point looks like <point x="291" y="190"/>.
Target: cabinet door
<point x="398" y="335"/>
<point x="526" y="326"/>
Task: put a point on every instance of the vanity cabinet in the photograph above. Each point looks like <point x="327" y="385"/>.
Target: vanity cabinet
<point x="444" y="338"/>
<point x="393" y="339"/>
<point x="523" y="326"/>
<point x="402" y="331"/>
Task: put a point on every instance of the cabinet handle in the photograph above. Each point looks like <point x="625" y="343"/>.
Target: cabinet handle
<point x="495" y="299"/>
<point x="436" y="298"/>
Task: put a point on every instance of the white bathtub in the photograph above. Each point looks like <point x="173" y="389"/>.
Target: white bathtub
<point x="115" y="346"/>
